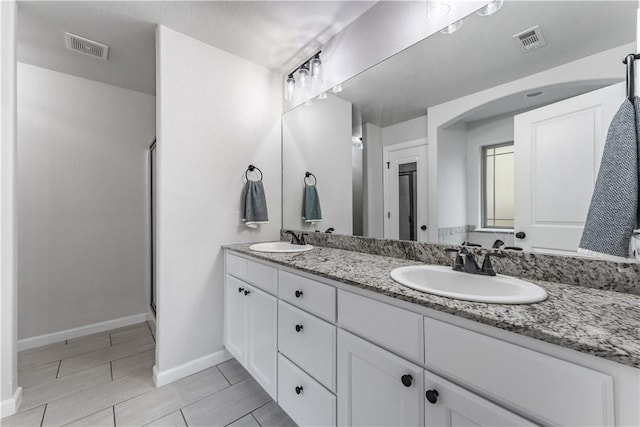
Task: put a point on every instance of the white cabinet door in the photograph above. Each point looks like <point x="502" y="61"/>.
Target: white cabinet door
<point x="375" y="387"/>
<point x="453" y="406"/>
<point x="262" y="350"/>
<point x="557" y="156"/>
<point x="235" y="318"/>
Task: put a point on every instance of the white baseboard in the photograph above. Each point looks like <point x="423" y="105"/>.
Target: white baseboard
<point x="68" y="334"/>
<point x="10" y="406"/>
<point x="186" y="369"/>
<point x="151" y="317"/>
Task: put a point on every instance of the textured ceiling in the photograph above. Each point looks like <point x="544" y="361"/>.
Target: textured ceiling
<point x="274" y="34"/>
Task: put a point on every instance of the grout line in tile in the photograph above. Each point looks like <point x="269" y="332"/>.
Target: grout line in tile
<point x="110" y="341"/>
<point x="208" y="395"/>
<point x="112" y="360"/>
<point x="225" y="377"/>
<point x="66" y="342"/>
<point x="113" y="408"/>
<point x="58" y="371"/>
<point x="254" y="417"/>
<point x="111" y="369"/>
<point x="184" y="418"/>
<point x="43" y="414"/>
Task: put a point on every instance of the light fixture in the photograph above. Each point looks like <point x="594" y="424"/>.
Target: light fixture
<point x="290" y="88"/>
<point x="310" y="70"/>
<point x="452" y="28"/>
<point x="437" y="9"/>
<point x="490" y="8"/>
<point x="337" y="89"/>
<point x="356" y="142"/>
<point x="315" y="67"/>
<point x="322" y="96"/>
<point x="303" y="76"/>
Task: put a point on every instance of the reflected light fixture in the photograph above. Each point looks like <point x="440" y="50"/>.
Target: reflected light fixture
<point x="452" y="28"/>
<point x="437" y="9"/>
<point x="322" y="96"/>
<point x="290" y="88"/>
<point x="337" y="89"/>
<point x="490" y="8"/>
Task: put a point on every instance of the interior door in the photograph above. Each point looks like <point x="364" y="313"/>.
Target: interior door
<point x="405" y="192"/>
<point x="557" y="155"/>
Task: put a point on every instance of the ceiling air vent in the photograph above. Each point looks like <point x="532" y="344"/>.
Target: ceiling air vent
<point x="530" y="39"/>
<point x="86" y="46"/>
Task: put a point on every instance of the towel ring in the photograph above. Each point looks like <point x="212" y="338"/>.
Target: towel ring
<point x="252" y="168"/>
<point x="308" y="175"/>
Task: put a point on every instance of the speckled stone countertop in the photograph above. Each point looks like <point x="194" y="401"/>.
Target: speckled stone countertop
<point x="600" y="323"/>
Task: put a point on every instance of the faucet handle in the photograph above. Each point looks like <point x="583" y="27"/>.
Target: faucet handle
<point x="458" y="264"/>
<point x="301" y="239"/>
<point x="487" y="267"/>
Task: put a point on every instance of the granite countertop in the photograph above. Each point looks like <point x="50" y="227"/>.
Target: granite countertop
<point x="600" y="323"/>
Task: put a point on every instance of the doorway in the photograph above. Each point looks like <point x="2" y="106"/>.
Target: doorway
<point x="405" y="191"/>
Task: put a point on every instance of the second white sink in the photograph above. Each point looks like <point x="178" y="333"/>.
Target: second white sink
<point x="279" y="247"/>
<point x="444" y="281"/>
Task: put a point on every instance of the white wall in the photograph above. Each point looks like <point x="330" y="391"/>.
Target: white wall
<point x="373" y="198"/>
<point x="603" y="66"/>
<point x="409" y="130"/>
<point x="452" y="176"/>
<point x="317" y="138"/>
<point x="82" y="201"/>
<point x="10" y="393"/>
<point x="217" y="114"/>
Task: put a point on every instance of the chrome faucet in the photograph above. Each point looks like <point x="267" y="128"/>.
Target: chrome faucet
<point x="466" y="262"/>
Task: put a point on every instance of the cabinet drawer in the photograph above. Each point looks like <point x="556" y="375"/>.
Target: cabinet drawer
<point x="396" y="329"/>
<point x="263" y="277"/>
<point x="538" y="386"/>
<point x="313" y="406"/>
<point x="309" y="342"/>
<point x="236" y="266"/>
<point x="309" y="295"/>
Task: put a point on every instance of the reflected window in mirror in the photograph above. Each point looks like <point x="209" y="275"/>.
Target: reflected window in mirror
<point x="498" y="186"/>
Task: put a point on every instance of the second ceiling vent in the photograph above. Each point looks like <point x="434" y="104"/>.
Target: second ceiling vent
<point x="530" y="39"/>
<point x="86" y="46"/>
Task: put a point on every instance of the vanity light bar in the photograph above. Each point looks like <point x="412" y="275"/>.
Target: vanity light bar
<point x="311" y="69"/>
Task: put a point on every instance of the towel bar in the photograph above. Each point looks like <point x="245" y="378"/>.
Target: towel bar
<point x="251" y="168"/>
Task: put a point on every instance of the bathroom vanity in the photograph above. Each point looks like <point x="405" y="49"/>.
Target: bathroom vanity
<point x="335" y="341"/>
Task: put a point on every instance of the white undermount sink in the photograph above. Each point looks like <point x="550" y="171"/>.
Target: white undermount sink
<point x="279" y="247"/>
<point x="444" y="281"/>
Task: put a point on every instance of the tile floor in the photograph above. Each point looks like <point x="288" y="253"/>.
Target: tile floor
<point x="105" y="379"/>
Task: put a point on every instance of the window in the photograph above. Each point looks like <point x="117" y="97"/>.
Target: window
<point x="497" y="186"/>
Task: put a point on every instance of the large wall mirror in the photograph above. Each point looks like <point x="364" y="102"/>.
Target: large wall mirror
<point x="490" y="134"/>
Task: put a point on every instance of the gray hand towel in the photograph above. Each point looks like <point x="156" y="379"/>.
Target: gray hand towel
<point x="311" y="211"/>
<point x="254" y="204"/>
<point x="613" y="213"/>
